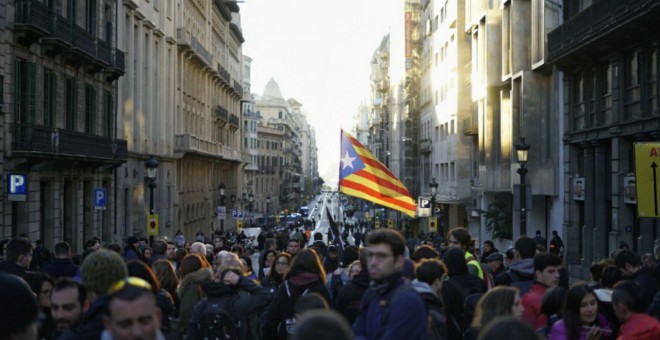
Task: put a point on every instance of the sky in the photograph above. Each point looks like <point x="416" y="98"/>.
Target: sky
<point x="319" y="53"/>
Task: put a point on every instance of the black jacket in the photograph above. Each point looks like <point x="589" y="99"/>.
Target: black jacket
<point x="350" y="296"/>
<point x="245" y="306"/>
<point x="60" y="268"/>
<point x="281" y="310"/>
<point x="453" y="300"/>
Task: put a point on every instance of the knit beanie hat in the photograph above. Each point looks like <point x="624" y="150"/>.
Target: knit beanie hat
<point x="19" y="306"/>
<point x="101" y="269"/>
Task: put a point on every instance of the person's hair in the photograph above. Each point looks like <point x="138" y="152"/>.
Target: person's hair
<point x="496" y="302"/>
<point x="37" y="280"/>
<point x="16" y="247"/>
<point x="526" y="247"/>
<point x="237" y="248"/>
<point x="349" y="255"/>
<point x="388" y="236"/>
<point x="273" y="273"/>
<point x="171" y="243"/>
<point x="166" y="275"/>
<point x="90" y="243"/>
<point x="626" y="256"/>
<point x="62" y="249"/>
<point x="318" y="236"/>
<point x="423" y="252"/>
<point x="269" y="242"/>
<point x="355" y="263"/>
<point x="308" y="302"/>
<point x="192" y="263"/>
<point x="461" y="235"/>
<point x="454" y="259"/>
<point x="571" y="311"/>
<point x="553" y="301"/>
<point x="364" y="259"/>
<point x="129" y="293"/>
<point x="67" y="282"/>
<point x="147" y="248"/>
<point x="19" y="306"/>
<point x="140" y="269"/>
<point x="490" y="243"/>
<point x="508" y="328"/>
<point x="429" y="270"/>
<point x="306" y="262"/>
<point x="596" y="270"/>
<point x="248" y="261"/>
<point x="630" y="294"/>
<point x="159" y="247"/>
<point x="293" y="239"/>
<point x="116" y="247"/>
<point x="610" y="276"/>
<point x="542" y="261"/>
<point x="268" y="251"/>
<point x="322" y="324"/>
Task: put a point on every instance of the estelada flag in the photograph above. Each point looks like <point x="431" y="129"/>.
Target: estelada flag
<point x="362" y="175"/>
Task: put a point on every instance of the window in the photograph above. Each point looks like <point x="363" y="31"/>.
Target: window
<point x="606" y="95"/>
<point x="90" y="109"/>
<point x="49" y="98"/>
<point x="90" y="19"/>
<point x="25" y="91"/>
<point x="578" y="103"/>
<point x="70" y="101"/>
<point x="653" y="82"/>
<point x="593" y="89"/>
<point x="109" y="113"/>
<point x="632" y="86"/>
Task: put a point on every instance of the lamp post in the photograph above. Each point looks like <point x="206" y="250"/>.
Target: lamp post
<point x="434" y="191"/>
<point x="223" y="207"/>
<point x="250" y="206"/>
<point x="267" y="210"/>
<point x="522" y="150"/>
<point x="152" y="171"/>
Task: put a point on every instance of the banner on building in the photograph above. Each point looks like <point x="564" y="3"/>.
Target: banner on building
<point x="578" y="188"/>
<point x="629" y="189"/>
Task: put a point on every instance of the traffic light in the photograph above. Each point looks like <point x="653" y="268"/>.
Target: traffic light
<point x="239" y="226"/>
<point x="152" y="225"/>
<point x="433" y="224"/>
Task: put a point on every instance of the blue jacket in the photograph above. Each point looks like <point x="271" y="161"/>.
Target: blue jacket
<point x="406" y="319"/>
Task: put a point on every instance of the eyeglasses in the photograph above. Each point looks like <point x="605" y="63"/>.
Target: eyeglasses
<point x="131" y="281"/>
<point x="378" y="256"/>
<point x="282" y="263"/>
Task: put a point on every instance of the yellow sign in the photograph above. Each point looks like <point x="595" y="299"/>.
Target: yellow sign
<point x="377" y="224"/>
<point x="647" y="179"/>
<point x="390" y="223"/>
<point x="152" y="225"/>
<point x="433" y="224"/>
<point x="239" y="225"/>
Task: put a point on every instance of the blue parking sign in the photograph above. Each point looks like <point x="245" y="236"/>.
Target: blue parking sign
<point x="100" y="198"/>
<point x="17" y="187"/>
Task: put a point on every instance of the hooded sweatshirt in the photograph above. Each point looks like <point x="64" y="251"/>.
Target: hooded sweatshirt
<point x="523" y="269"/>
<point x="350" y="296"/>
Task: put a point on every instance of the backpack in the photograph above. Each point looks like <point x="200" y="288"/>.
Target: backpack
<point x="217" y="321"/>
<point x="437" y="325"/>
<point x="470" y="300"/>
<point x="519" y="282"/>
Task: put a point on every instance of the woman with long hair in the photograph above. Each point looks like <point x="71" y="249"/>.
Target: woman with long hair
<point x="275" y="275"/>
<point x="580" y="318"/>
<point x="195" y="272"/>
<point x="164" y="300"/>
<point x="498" y="302"/>
<point x="266" y="263"/>
<point x="166" y="275"/>
<point x="306" y="275"/>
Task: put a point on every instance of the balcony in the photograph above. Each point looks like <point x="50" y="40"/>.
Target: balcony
<point x="84" y="42"/>
<point x="33" y="18"/>
<point x="47" y="142"/>
<point x="187" y="143"/>
<point x="104" y="52"/>
<point x="238" y="88"/>
<point x="224" y="74"/>
<point x="601" y="28"/>
<point x="221" y="114"/>
<point x="233" y="122"/>
<point x="470" y="126"/>
<point x="189" y="43"/>
<point x="425" y="146"/>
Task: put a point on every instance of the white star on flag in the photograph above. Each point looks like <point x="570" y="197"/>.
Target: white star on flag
<point x="347" y="161"/>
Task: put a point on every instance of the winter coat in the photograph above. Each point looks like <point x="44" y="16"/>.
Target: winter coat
<point x="639" y="327"/>
<point x="272" y="281"/>
<point x="559" y="331"/>
<point x="280" y="313"/>
<point x="190" y="292"/>
<point x="437" y="328"/>
<point x="60" y="268"/>
<point x="246" y="306"/>
<point x="532" y="303"/>
<point x="406" y="319"/>
<point x="349" y="297"/>
<point x="454" y="300"/>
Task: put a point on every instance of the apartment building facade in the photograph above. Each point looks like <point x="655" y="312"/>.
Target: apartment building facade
<point x="60" y="67"/>
<point x="610" y="102"/>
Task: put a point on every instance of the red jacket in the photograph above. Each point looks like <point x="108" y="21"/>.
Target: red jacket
<point x="640" y="327"/>
<point x="532" y="303"/>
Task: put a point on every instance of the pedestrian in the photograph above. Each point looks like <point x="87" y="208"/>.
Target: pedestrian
<point x="164" y="300"/>
<point x="610" y="276"/>
<point x="350" y="295"/>
<point x="556" y="244"/>
<point x="169" y="281"/>
<point x="391" y="308"/>
<point x="495" y="264"/>
<point x="131" y="251"/>
<point x="17" y="322"/>
<point x="266" y="262"/>
<point x="631" y="266"/>
<point x="552" y="306"/>
<point x="540" y="240"/>
<point x="179" y="239"/>
<point x="521" y="271"/>
<point x="580" y="318"/>
<point x="19" y="257"/>
<point x="628" y="300"/>
<point x="195" y="272"/>
<point x="132" y="302"/>
<point x="460" y="290"/>
<point x="546" y="269"/>
<point x="68" y="304"/>
<point x="278" y="269"/>
<point x="460" y="238"/>
<point x="429" y="276"/>
<point x="497" y="302"/>
<point x="61" y="265"/>
<point x="322" y="324"/>
<point x="488" y="249"/>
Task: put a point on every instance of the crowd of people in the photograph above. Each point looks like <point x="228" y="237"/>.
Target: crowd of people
<point x="387" y="285"/>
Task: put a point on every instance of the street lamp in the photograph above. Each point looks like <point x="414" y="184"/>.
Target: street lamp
<point x="223" y="209"/>
<point x="267" y="210"/>
<point x="434" y="191"/>
<point x="522" y="150"/>
<point x="152" y="171"/>
<point x="250" y="206"/>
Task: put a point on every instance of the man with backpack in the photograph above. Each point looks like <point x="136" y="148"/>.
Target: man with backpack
<point x="429" y="275"/>
<point x="224" y="313"/>
<point x="391" y="308"/>
<point x="521" y="272"/>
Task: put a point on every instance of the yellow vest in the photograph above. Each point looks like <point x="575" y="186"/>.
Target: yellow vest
<point x="474" y="263"/>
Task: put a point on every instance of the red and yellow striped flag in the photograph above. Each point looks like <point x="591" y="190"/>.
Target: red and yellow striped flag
<point x="362" y="175"/>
